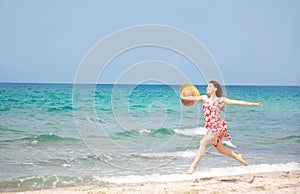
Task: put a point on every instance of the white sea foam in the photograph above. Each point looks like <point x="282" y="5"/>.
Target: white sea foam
<point x="214" y="172"/>
<point x="187" y="132"/>
<point x="191" y="132"/>
<point x="143" y="131"/>
<point x="228" y="143"/>
<point x="182" y="154"/>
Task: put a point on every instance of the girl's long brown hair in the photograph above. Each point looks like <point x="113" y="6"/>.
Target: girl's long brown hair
<point x="219" y="92"/>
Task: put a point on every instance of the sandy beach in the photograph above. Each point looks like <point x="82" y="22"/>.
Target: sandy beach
<point x="271" y="182"/>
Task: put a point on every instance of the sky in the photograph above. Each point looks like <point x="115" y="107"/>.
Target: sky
<point x="253" y="42"/>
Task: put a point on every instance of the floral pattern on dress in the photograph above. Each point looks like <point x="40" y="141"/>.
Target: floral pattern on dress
<point x="213" y="122"/>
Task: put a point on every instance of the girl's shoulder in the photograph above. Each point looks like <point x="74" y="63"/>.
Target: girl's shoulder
<point x="222" y="99"/>
<point x="204" y="97"/>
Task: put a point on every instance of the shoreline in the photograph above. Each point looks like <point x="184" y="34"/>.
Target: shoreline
<point x="264" y="182"/>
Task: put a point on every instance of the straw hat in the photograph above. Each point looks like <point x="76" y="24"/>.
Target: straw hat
<point x="189" y="90"/>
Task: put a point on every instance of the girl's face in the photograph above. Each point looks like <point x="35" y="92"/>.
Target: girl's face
<point x="211" y="89"/>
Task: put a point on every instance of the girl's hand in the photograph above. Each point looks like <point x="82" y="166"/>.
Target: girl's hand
<point x="259" y="104"/>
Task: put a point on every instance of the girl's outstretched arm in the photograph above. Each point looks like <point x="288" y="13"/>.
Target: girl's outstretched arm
<point x="241" y="103"/>
<point x="195" y="98"/>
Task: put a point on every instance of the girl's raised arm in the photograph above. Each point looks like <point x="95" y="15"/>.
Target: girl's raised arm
<point x="241" y="103"/>
<point x="194" y="98"/>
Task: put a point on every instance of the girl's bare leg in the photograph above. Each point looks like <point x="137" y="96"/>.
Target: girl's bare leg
<point x="231" y="154"/>
<point x="202" y="148"/>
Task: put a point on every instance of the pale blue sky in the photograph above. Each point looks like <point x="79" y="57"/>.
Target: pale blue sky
<point x="255" y="42"/>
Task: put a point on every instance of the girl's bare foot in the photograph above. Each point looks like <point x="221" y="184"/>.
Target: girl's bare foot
<point x="241" y="160"/>
<point x="191" y="170"/>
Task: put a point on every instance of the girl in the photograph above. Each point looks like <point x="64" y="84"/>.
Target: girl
<point x="216" y="127"/>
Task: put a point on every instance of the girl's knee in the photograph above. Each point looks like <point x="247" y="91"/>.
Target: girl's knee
<point x="224" y="150"/>
<point x="203" y="142"/>
<point x="207" y="139"/>
<point x="221" y="150"/>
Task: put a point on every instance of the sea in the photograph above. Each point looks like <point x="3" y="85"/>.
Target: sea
<point x="64" y="135"/>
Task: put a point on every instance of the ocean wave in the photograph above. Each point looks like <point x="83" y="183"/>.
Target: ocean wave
<point x="228" y="143"/>
<point x="50" y="138"/>
<point x="180" y="154"/>
<point x="214" y="172"/>
<point x="3" y="109"/>
<point x="191" y="132"/>
<point x="55" y="181"/>
<point x="291" y="137"/>
<point x="44" y="138"/>
<point x="10" y="130"/>
<point x="200" y="131"/>
<point x="75" y="161"/>
<point x="136" y="106"/>
<point x="47" y="182"/>
<point x="60" y="108"/>
<point x="160" y="131"/>
<point x="143" y="132"/>
<point x="94" y="120"/>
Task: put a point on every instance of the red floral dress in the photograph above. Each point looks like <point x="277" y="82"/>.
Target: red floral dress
<point x="213" y="123"/>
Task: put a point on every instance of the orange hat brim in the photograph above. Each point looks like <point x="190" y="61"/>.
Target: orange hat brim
<point x="192" y="90"/>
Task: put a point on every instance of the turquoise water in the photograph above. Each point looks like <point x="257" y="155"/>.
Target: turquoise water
<point x="58" y="135"/>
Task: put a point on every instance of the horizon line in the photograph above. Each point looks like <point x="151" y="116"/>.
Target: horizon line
<point x="173" y="84"/>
